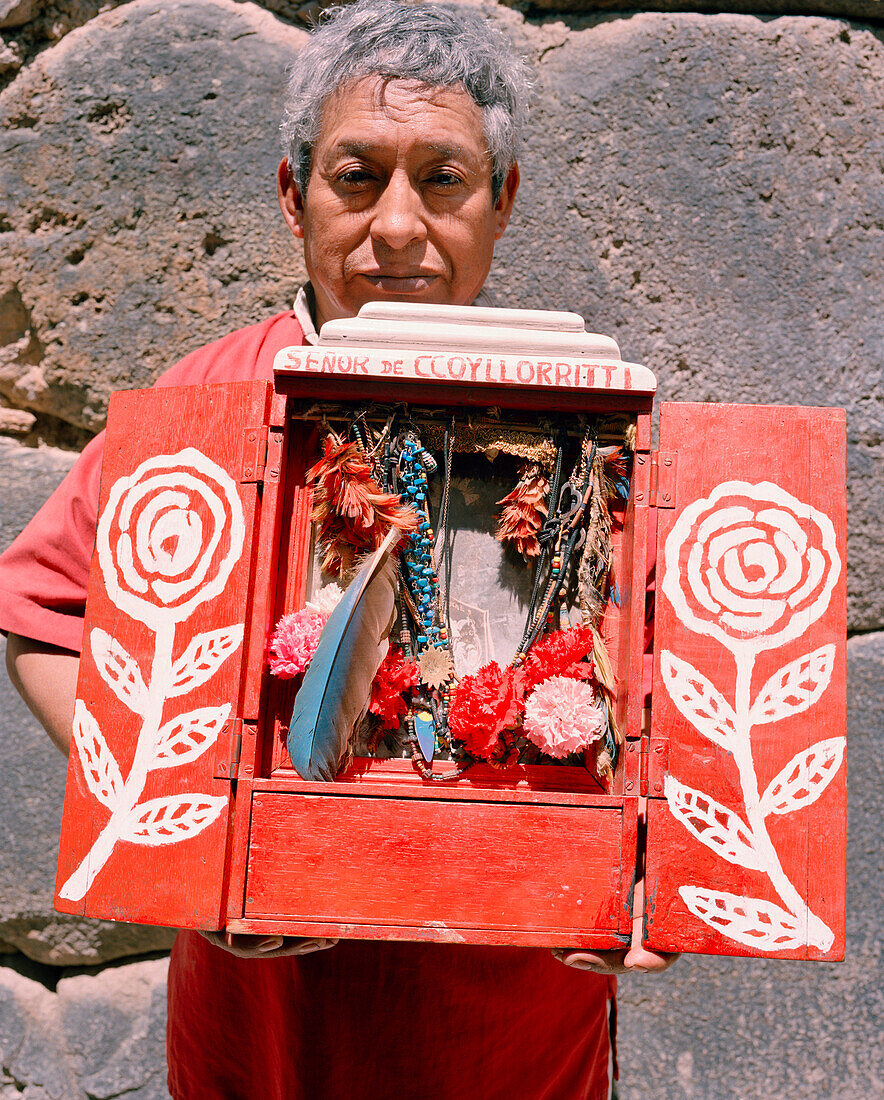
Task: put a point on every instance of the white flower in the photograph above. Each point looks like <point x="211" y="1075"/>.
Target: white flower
<point x="564" y="715"/>
<point x="327" y="599"/>
<point x="169" y="536"/>
<point x="750" y="565"/>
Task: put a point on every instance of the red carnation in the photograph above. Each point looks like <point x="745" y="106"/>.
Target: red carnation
<point x="396" y="676"/>
<point x="484" y="705"/>
<point x="560" y="654"/>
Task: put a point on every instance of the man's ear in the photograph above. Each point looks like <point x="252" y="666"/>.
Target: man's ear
<point x="291" y="202"/>
<point x="504" y="205"/>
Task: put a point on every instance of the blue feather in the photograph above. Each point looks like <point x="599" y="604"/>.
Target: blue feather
<point x="337" y="684"/>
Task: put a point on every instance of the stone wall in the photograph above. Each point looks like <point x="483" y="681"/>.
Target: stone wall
<point x="704" y="185"/>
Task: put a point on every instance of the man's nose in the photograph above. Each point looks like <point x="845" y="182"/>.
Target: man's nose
<point x="398" y="216"/>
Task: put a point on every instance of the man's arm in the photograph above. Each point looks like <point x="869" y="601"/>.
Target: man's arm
<point x="46" y="678"/>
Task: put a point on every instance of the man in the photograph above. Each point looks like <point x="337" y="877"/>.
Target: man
<point x="401" y="131"/>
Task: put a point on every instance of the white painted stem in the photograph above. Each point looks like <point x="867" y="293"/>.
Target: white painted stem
<point x="121" y="818"/>
<point x="817" y="934"/>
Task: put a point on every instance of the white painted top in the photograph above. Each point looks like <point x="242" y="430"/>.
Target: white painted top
<point x="468" y="344"/>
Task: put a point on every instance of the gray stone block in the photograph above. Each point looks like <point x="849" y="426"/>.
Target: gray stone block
<point x="115" y="1023"/>
<point x="97" y="1034"/>
<point x="27" y="477"/>
<point x="139" y="205"/>
<point x="34" y="778"/>
<point x="746" y="1029"/>
<point x="707" y="190"/>
<point x="33" y="1055"/>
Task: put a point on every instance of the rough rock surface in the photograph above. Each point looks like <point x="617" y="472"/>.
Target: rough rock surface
<point x="707" y="190"/>
<point x="714" y="1029"/>
<point x="139" y="214"/>
<point x="98" y="1034"/>
<point x="34" y="777"/>
<point x="29" y="26"/>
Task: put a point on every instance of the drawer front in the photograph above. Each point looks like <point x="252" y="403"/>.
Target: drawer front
<point x="434" y="863"/>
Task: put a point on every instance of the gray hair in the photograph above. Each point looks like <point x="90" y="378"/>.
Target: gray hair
<point x="437" y="44"/>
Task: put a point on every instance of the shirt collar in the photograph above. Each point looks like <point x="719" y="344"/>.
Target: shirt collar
<point x="305" y="312"/>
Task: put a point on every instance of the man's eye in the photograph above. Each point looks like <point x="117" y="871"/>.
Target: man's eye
<point x="354" y="177"/>
<point x="445" y="179"/>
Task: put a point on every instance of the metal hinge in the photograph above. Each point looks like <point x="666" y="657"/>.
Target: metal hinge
<point x="261" y="454"/>
<point x="654" y="760"/>
<point x="654" y="766"/>
<point x="229" y="748"/>
<point x="664" y="475"/>
<point x="254" y="454"/>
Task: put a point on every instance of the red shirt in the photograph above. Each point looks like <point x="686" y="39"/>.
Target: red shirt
<point x="363" y="1020"/>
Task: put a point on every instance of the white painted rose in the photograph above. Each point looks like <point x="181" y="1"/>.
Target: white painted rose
<point x="169" y="536"/>
<point x="750" y="565"/>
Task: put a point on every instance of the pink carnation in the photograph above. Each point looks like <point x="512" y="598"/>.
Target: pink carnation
<point x="563" y="715"/>
<point x="294" y="642"/>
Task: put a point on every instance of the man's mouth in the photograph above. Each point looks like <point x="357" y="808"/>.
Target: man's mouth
<point x="400" y="283"/>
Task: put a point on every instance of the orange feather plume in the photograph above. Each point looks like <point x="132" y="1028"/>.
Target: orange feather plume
<point x="353" y="513"/>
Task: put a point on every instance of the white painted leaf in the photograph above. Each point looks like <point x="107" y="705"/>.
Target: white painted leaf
<point x="174" y="817"/>
<point x="119" y="670"/>
<point x="753" y="922"/>
<point x="189" y="735"/>
<point x="795" y="687"/>
<point x="804" y="778"/>
<point x="203" y="657"/>
<point x="698" y="700"/>
<point x="713" y="824"/>
<point x="99" y="765"/>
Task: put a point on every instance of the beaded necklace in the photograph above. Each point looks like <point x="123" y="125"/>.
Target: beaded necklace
<point x="407" y="464"/>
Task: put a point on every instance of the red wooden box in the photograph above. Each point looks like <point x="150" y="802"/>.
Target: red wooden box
<point x="182" y="807"/>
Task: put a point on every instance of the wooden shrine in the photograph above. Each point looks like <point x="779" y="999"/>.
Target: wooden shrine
<point x="183" y="807"/>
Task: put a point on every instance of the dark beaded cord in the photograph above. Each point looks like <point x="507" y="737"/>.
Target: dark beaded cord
<point x="406" y="465"/>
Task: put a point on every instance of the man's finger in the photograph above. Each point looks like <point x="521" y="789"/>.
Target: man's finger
<point x="599" y="962"/>
<point x="640" y="961"/>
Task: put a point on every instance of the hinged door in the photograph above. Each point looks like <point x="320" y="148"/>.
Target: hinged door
<point x="146" y="814"/>
<point x="745" y="773"/>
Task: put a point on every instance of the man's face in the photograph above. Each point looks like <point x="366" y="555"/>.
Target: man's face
<point x="399" y="203"/>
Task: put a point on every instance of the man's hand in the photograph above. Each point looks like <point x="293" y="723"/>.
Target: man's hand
<point x="634" y="961"/>
<point x="266" y="947"/>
